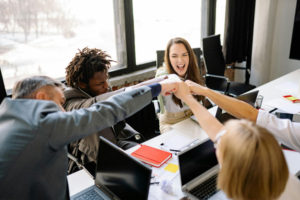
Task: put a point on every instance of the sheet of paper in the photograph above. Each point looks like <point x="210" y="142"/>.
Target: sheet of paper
<point x="179" y="142"/>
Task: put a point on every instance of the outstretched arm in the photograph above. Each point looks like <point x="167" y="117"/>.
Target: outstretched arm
<point x="207" y="122"/>
<point x="234" y="106"/>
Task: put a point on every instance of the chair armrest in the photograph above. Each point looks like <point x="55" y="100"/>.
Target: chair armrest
<point x="235" y="67"/>
<point x="217" y="76"/>
<point x="73" y="158"/>
<point x="240" y="68"/>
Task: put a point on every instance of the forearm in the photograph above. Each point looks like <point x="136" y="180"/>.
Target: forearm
<point x="74" y="125"/>
<point x="234" y="106"/>
<point x="207" y="122"/>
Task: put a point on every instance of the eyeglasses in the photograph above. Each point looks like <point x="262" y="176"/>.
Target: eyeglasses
<point x="218" y="138"/>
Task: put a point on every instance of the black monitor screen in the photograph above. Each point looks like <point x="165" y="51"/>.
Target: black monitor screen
<point x="196" y="161"/>
<point x="123" y="175"/>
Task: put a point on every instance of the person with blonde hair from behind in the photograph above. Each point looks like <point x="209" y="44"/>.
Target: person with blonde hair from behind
<point x="180" y="60"/>
<point x="252" y="165"/>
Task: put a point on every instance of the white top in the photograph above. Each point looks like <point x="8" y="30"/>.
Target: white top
<point x="170" y="105"/>
<point x="291" y="190"/>
<point x="284" y="130"/>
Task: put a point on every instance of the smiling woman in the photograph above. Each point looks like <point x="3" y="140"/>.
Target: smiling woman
<point x="180" y="60"/>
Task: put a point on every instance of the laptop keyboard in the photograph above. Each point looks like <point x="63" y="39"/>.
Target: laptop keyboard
<point x="206" y="189"/>
<point x="89" y="195"/>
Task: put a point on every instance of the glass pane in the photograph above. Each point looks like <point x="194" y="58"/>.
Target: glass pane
<point x="220" y="18"/>
<point x="156" y="22"/>
<point x="42" y="36"/>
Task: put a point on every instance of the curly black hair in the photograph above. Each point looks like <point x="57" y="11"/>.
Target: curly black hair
<point x="85" y="64"/>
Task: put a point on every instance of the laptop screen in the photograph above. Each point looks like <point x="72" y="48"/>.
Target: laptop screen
<point x="123" y="175"/>
<point x="196" y="161"/>
<point x="249" y="98"/>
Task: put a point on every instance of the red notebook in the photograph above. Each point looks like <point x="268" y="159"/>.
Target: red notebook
<point x="151" y="155"/>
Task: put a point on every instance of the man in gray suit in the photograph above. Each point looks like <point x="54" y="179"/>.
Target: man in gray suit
<point x="34" y="132"/>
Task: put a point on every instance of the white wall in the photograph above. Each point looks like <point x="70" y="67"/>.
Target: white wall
<point x="273" y="29"/>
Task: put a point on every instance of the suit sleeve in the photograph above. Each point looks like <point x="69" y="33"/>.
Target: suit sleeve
<point x="79" y="102"/>
<point x="70" y="126"/>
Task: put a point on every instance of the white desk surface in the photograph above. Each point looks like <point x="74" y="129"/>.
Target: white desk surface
<point x="274" y="91"/>
<point x="187" y="131"/>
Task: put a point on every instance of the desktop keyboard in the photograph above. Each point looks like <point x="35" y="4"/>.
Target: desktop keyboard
<point x="89" y="195"/>
<point x="206" y="189"/>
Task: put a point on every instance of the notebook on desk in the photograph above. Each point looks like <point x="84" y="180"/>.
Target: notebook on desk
<point x="118" y="176"/>
<point x="198" y="172"/>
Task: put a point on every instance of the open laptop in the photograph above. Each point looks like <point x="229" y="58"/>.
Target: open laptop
<point x="198" y="172"/>
<point x="249" y="98"/>
<point x="118" y="176"/>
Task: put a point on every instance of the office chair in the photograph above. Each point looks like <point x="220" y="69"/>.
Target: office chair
<point x="215" y="66"/>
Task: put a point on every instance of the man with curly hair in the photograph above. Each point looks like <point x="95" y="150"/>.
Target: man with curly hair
<point x="87" y="78"/>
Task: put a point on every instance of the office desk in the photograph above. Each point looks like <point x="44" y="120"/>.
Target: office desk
<point x="188" y="131"/>
<point x="274" y="91"/>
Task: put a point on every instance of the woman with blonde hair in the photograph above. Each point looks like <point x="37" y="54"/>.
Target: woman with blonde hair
<point x="252" y="164"/>
<point x="179" y="59"/>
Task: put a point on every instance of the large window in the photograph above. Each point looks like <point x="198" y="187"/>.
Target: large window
<point x="156" y="22"/>
<point x="41" y="36"/>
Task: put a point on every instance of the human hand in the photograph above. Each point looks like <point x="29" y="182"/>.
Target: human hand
<point x="183" y="92"/>
<point x="195" y="88"/>
<point x="173" y="77"/>
<point x="169" y="86"/>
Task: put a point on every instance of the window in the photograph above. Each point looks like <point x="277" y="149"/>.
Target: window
<point x="220" y="18"/>
<point x="156" y="22"/>
<point x="42" y="36"/>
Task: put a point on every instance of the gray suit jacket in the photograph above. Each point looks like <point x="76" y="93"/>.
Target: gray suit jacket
<point x="76" y="99"/>
<point x="34" y="135"/>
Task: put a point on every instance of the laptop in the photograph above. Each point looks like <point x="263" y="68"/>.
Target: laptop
<point x="198" y="172"/>
<point x="249" y="98"/>
<point x="118" y="176"/>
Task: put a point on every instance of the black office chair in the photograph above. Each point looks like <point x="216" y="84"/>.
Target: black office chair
<point x="215" y="66"/>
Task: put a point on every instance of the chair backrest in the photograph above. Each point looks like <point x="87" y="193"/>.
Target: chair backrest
<point x="213" y="55"/>
<point x="161" y="53"/>
<point x="2" y="88"/>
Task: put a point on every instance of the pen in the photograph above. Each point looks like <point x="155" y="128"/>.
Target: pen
<point x="175" y="150"/>
<point x="273" y="110"/>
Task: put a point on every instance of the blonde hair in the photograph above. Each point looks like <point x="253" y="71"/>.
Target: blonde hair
<point x="253" y="165"/>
